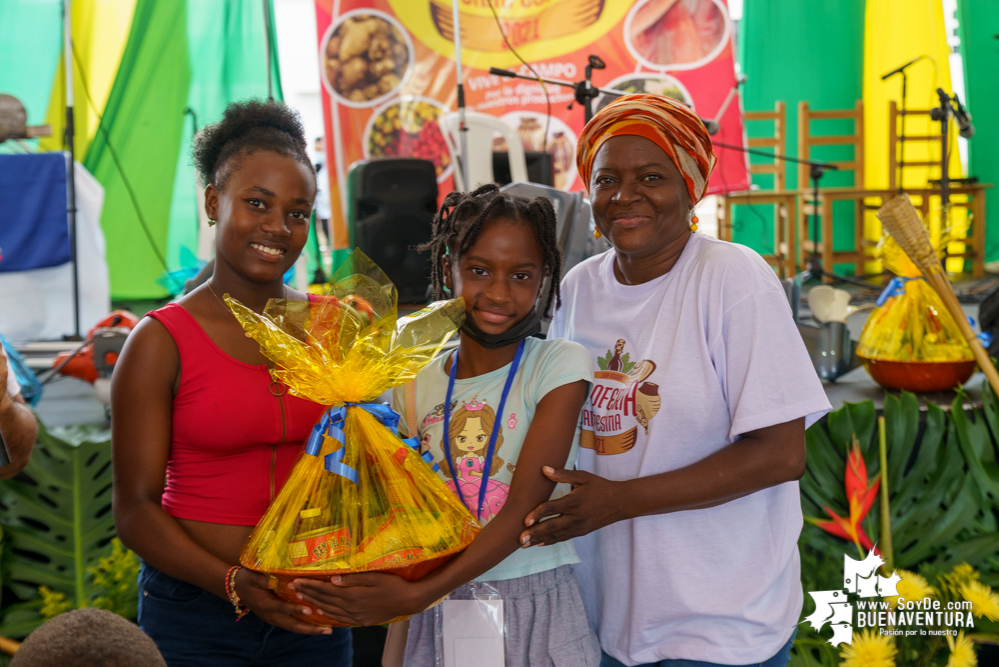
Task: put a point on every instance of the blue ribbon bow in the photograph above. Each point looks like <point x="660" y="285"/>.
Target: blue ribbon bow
<point x="895" y="287"/>
<point x="331" y="425"/>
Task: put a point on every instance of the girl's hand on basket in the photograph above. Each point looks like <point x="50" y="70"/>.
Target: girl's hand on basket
<point x="253" y="592"/>
<point x="364" y="598"/>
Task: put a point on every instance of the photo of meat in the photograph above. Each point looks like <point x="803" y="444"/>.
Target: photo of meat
<point x="365" y="57"/>
<point x="676" y="34"/>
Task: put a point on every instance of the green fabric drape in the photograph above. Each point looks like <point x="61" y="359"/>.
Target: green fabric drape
<point x="979" y="25"/>
<point x="183" y="61"/>
<point x="144" y="119"/>
<point x="30" y="43"/>
<point x="793" y="51"/>
<point x="226" y="45"/>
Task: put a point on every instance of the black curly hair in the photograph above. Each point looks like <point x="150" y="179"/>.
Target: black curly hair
<point x="247" y="127"/>
<point x="462" y="216"/>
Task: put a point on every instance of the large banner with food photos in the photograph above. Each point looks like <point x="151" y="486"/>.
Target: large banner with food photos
<point x="388" y="75"/>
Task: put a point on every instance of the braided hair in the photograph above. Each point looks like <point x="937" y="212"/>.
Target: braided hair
<point x="460" y="220"/>
<point x="247" y="127"/>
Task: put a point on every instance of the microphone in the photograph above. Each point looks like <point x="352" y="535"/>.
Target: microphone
<point x="502" y="72"/>
<point x="902" y="68"/>
<point x="711" y="126"/>
<point x="963" y="118"/>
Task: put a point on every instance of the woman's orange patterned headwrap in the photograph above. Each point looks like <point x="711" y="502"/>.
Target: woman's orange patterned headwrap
<point x="669" y="124"/>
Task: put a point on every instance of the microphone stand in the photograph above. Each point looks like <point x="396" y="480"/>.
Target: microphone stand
<point x="901" y="139"/>
<point x="69" y="144"/>
<point x="815" y="172"/>
<point x="460" y="82"/>
<point x="585" y="91"/>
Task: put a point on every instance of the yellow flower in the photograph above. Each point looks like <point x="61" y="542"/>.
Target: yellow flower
<point x="960" y="576"/>
<point x="912" y="587"/>
<point x="962" y="652"/>
<point x="983" y="601"/>
<point x="869" y="650"/>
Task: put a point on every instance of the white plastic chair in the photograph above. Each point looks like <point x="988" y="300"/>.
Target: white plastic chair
<point x="479" y="136"/>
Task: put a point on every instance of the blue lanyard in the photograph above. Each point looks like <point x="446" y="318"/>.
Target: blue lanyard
<point x="488" y="465"/>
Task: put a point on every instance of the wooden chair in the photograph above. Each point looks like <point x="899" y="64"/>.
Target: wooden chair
<point x="968" y="196"/>
<point x="806" y="142"/>
<point x="895" y="164"/>
<point x="783" y="201"/>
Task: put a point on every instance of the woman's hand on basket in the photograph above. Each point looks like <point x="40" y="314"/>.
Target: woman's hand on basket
<point x="363" y="598"/>
<point x="253" y="592"/>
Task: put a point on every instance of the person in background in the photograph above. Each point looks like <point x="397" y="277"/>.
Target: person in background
<point x="685" y="507"/>
<point x="88" y="638"/>
<point x="323" y="211"/>
<point x="18" y="427"/>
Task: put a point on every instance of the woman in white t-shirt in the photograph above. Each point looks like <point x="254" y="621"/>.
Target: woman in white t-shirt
<point x="685" y="510"/>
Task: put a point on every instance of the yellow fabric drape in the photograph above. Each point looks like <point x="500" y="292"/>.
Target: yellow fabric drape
<point x="100" y="32"/>
<point x="896" y="31"/>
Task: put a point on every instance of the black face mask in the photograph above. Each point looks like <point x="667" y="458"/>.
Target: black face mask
<point x="528" y="326"/>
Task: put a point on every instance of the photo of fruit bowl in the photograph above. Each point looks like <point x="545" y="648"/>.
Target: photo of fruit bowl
<point x="408" y="127"/>
<point x="676" y="34"/>
<point x="365" y="57"/>
<point x="647" y="82"/>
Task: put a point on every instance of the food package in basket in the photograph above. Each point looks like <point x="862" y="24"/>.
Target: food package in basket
<point x="910" y="323"/>
<point x="360" y="498"/>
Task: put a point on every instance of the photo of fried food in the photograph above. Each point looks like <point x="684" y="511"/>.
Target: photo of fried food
<point x="676" y="32"/>
<point x="409" y="128"/>
<point x="365" y="58"/>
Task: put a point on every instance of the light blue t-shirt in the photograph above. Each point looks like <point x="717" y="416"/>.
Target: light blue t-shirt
<point x="544" y="366"/>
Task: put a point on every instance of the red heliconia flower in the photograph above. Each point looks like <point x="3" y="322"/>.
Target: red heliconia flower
<point x="860" y="493"/>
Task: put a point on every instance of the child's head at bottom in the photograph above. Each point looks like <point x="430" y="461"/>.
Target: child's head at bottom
<point x="88" y="638"/>
<point x="495" y="250"/>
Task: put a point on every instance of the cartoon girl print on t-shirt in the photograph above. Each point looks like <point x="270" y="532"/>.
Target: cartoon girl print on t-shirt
<point x="471" y="426"/>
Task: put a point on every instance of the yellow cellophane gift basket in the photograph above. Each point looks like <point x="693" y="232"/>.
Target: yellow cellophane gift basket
<point x="911" y="341"/>
<point x="360" y="499"/>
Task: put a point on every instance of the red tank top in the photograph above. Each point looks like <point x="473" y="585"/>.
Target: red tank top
<point x="233" y="442"/>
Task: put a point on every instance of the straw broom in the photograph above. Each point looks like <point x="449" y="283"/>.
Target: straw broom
<point x="903" y="224"/>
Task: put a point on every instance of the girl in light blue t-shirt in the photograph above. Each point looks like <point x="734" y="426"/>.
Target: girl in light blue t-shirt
<point x="493" y="414"/>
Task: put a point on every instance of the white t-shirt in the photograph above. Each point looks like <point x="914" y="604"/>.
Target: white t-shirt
<point x="544" y="366"/>
<point x="684" y="364"/>
<point x="13" y="388"/>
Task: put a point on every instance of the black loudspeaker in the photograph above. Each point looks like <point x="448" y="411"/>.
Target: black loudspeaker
<point x="539" y="168"/>
<point x="390" y="211"/>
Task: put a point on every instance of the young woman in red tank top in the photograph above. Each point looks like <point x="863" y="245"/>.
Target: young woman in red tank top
<point x="193" y="403"/>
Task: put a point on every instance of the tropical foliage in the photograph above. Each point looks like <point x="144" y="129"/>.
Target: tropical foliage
<point x="58" y="530"/>
<point x="943" y="491"/>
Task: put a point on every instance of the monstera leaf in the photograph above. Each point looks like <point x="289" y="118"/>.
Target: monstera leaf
<point x="943" y="485"/>
<point x="57" y="522"/>
<point x="942" y="476"/>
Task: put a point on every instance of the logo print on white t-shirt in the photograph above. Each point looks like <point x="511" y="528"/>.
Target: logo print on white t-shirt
<point x="620" y="394"/>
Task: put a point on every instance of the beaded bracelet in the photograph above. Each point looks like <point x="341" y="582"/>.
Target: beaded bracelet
<point x="230" y="590"/>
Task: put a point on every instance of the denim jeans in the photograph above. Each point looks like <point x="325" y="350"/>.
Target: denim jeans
<point x="779" y="660"/>
<point x="192" y="627"/>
